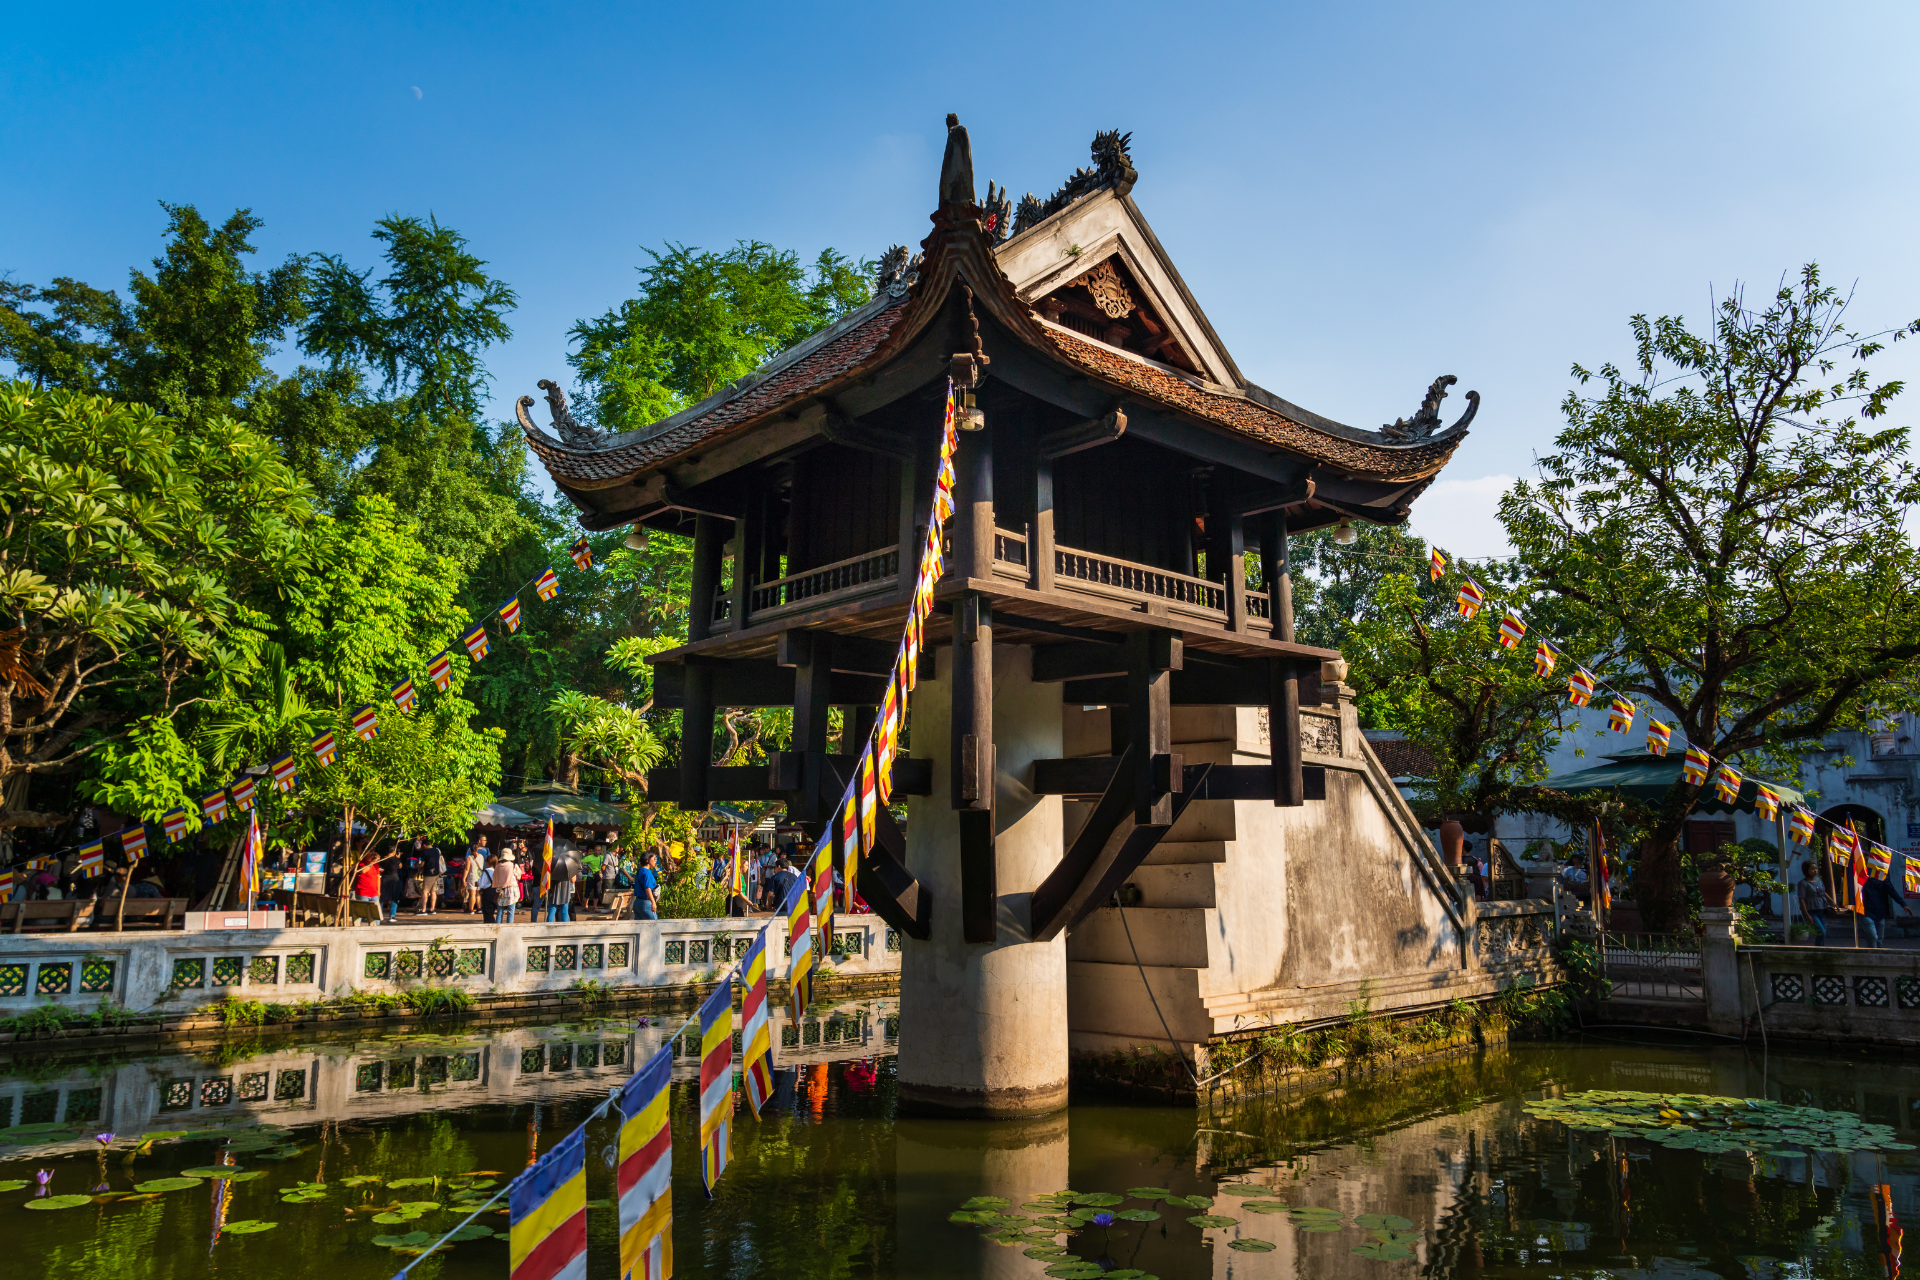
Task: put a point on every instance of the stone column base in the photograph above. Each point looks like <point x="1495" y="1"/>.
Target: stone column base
<point x="979" y="1104"/>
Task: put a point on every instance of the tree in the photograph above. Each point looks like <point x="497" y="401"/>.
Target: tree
<point x="703" y="319"/>
<point x="1337" y="587"/>
<point x="128" y="550"/>
<point x="1446" y="682"/>
<point x="1726" y="539"/>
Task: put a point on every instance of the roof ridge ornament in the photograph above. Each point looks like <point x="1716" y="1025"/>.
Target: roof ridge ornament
<point x="1424" y="424"/>
<point x="897" y="271"/>
<point x="956" y="167"/>
<point x="571" y="433"/>
<point x="1112" y="167"/>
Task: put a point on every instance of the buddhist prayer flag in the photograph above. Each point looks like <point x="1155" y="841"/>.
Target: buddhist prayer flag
<point x="476" y="642"/>
<point x="93" y="856"/>
<point x="582" y="553"/>
<point x="716" y="1085"/>
<point x="1859" y="877"/>
<point x="510" y="614"/>
<point x="285" y="776"/>
<point x="756" y="1035"/>
<point x="1580" y="687"/>
<point x="547" y="585"/>
<point x="6" y="882"/>
<point x="403" y="695"/>
<point x="323" y="749"/>
<point x="440" y="670"/>
<point x="1727" y="783"/>
<point x="1910" y="872"/>
<point x="547" y="1239"/>
<point x="800" y="947"/>
<point x="1513" y="629"/>
<point x="1659" y="738"/>
<point x="820" y="876"/>
<point x="849" y="817"/>
<point x="241" y="789"/>
<point x="366" y="724"/>
<point x="869" y="800"/>
<point x="645" y="1177"/>
<point x="213" y="806"/>
<point x="1841" y="843"/>
<point x="174" y="821"/>
<point x="1436" y="565"/>
<point x="1620" y="719"/>
<point x="1470" y="599"/>
<point x="1879" y="860"/>
<point x="546" y="862"/>
<point x="1694" y="767"/>
<point x="133" y="842"/>
<point x="1800" y="826"/>
<point x="250" y="862"/>
<point x="1766" y="801"/>
<point x="1544" y="655"/>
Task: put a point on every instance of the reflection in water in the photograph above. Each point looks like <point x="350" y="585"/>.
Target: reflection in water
<point x="1439" y="1162"/>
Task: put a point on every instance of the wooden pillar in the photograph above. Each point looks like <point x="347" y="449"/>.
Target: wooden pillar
<point x="747" y="537"/>
<point x="1276" y="575"/>
<point x="812" y="688"/>
<point x="696" y="737"/>
<point x="1283" y="731"/>
<point x="1040" y="540"/>
<point x="800" y="505"/>
<point x="709" y="549"/>
<point x="1151" y="656"/>
<point x="972" y="779"/>
<point x="973" y="503"/>
<point x="1236" y="570"/>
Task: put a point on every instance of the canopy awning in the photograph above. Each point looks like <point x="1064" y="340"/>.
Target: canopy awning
<point x="1647" y="778"/>
<point x="564" y="808"/>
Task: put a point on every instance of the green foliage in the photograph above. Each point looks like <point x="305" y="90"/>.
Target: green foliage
<point x="702" y="320"/>
<point x="438" y="1001"/>
<point x="424" y="773"/>
<point x="131" y="549"/>
<point x="1447" y="684"/>
<point x="689" y="893"/>
<point x="1727" y="540"/>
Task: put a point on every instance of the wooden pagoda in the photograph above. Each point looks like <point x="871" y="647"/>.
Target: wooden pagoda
<point x="1121" y="482"/>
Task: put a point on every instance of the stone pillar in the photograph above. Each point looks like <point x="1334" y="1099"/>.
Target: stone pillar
<point x="983" y="1026"/>
<point x="1720" y="971"/>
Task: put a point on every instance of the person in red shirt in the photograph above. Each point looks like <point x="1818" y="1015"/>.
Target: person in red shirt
<point x="366" y="884"/>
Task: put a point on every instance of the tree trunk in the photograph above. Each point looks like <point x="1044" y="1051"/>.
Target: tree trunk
<point x="566" y="768"/>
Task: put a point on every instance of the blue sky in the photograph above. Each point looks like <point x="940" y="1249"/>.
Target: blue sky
<point x="1361" y="196"/>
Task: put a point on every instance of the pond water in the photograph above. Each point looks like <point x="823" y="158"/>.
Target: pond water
<point x="1437" y="1171"/>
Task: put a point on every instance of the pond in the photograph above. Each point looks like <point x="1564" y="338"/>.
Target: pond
<point x="346" y="1146"/>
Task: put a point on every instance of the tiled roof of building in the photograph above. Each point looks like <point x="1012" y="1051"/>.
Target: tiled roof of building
<point x="841" y="353"/>
<point x="1401" y="759"/>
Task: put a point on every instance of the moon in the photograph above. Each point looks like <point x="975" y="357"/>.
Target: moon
<point x="417" y="94"/>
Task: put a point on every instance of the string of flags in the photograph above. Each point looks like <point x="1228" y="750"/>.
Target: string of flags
<point x="1845" y="846"/>
<point x="239" y="796"/>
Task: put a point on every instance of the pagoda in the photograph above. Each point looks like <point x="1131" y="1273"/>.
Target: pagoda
<point x="1113" y="654"/>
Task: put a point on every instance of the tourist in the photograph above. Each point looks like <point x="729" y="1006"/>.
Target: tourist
<point x="484" y="895"/>
<point x="1881" y="896"/>
<point x="589" y="887"/>
<point x="609" y="875"/>
<point x="646" y="889"/>
<point x="472" y="874"/>
<point x="780" y="885"/>
<point x="433" y="869"/>
<point x="1813" y="901"/>
<point x="366" y="883"/>
<point x="560" y="877"/>
<point x="506" y="884"/>
<point x="393" y="885"/>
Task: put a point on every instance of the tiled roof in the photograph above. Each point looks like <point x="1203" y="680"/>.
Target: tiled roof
<point x="1401" y="759"/>
<point x="1384" y="462"/>
<point x="840" y="355"/>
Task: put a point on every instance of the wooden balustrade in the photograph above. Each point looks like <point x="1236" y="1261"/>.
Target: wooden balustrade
<point x="856" y="575"/>
<point x="1108" y="575"/>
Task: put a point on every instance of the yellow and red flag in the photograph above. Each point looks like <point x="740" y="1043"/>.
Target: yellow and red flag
<point x="582" y="553"/>
<point x="547" y="584"/>
<point x="440" y="670"/>
<point x="1620" y="719"/>
<point x="285" y="776"/>
<point x="213" y="806"/>
<point x="323" y="748"/>
<point x="1545" y="654"/>
<point x="1766" y="801"/>
<point x="1470" y="598"/>
<point x="241" y="789"/>
<point x="403" y="695"/>
<point x="174" y="821"/>
<point x="716" y="1084"/>
<point x="366" y="724"/>
<point x="644" y="1180"/>
<point x="1580" y="687"/>
<point x="1727" y="782"/>
<point x="1436" y="565"/>
<point x="756" y="1028"/>
<point x="1694" y="767"/>
<point x="510" y="614"/>
<point x="1513" y="629"/>
<point x="476" y="642"/>
<point x="1800" y="826"/>
<point x="547" y="1207"/>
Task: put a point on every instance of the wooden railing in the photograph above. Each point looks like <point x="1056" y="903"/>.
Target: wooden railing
<point x="1258" y="606"/>
<point x="875" y="568"/>
<point x="1072" y="568"/>
<point x="1010" y="550"/>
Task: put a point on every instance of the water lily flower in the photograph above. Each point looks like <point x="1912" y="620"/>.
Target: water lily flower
<point x="1102" y="1219"/>
<point x="43" y="1177"/>
<point x="103" y="1138"/>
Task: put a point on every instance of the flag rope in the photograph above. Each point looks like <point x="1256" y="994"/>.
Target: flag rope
<point x="1707" y="758"/>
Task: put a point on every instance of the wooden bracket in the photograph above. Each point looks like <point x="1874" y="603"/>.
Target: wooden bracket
<point x="1089" y="434"/>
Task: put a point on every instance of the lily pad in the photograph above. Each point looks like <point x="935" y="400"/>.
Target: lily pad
<point x="397" y="1183"/>
<point x="472" y="1231"/>
<point x="59" y="1202"/>
<point x="1396" y="1237"/>
<point x="1099" y="1199"/>
<point x="1383" y="1221"/>
<point x="212" y="1171"/>
<point x="1244" y="1190"/>
<point x="1319" y="1226"/>
<point x="1210" y="1220"/>
<point x="1384" y="1252"/>
<point x="971" y="1217"/>
<point x="1148" y="1193"/>
<point x="1137" y="1215"/>
<point x="1247" y="1244"/>
<point x="1265" y="1206"/>
<point x="1191" y="1202"/>
<point x="359" y="1179"/>
<point x="248" y="1176"/>
<point x="422" y="1206"/>
<point x="411" y="1240"/>
<point x="250" y="1226"/>
<point x="1076" y="1270"/>
<point x="13" y="1184"/>
<point x="390" y="1218"/>
<point x="1046" y="1251"/>
<point x="168" y="1184"/>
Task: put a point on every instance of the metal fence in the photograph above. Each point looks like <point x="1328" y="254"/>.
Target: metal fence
<point x="1658" y="966"/>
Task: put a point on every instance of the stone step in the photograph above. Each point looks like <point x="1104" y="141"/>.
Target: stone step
<point x="1175" y="937"/>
